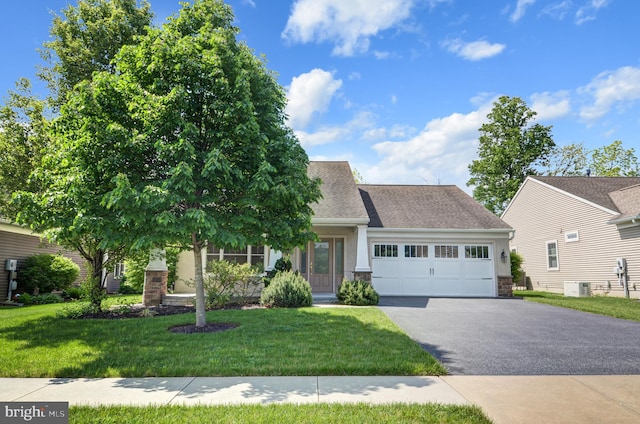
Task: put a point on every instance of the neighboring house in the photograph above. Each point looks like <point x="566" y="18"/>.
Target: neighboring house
<point x="17" y="242"/>
<point x="574" y="229"/>
<point x="407" y="240"/>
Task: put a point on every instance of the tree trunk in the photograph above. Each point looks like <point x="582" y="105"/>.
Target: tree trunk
<point x="201" y="317"/>
<point x="95" y="291"/>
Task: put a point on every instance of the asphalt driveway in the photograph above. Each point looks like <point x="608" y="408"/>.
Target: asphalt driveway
<point x="515" y="337"/>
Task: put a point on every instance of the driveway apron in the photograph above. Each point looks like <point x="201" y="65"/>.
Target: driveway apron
<point x="515" y="337"/>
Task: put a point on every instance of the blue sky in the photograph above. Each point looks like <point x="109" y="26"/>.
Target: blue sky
<point x="399" y="88"/>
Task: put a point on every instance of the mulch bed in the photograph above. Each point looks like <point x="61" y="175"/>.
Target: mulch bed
<point x="138" y="311"/>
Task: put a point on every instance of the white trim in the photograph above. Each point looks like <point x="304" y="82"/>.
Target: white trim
<point x="546" y="255"/>
<point x="573" y="196"/>
<point x="11" y="227"/>
<point x="339" y="222"/>
<point x="575" y="236"/>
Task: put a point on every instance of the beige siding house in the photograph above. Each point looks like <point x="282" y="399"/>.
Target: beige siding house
<point x="575" y="228"/>
<point x="407" y="240"/>
<point x="17" y="242"/>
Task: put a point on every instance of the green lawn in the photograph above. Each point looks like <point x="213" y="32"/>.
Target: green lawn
<point x="282" y="414"/>
<point x="34" y="342"/>
<point x="616" y="307"/>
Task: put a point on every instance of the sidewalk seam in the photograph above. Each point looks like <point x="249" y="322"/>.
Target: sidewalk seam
<point x="622" y="404"/>
<point x="181" y="390"/>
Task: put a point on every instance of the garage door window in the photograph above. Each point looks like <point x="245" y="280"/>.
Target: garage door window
<point x="449" y="252"/>
<point x="385" y="250"/>
<point x="476" y="252"/>
<point x="416" y="251"/>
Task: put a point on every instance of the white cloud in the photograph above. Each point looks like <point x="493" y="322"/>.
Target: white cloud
<point x="440" y="153"/>
<point x="474" y="50"/>
<point x="347" y="24"/>
<point x="310" y="93"/>
<point x="521" y="8"/>
<point x="588" y="11"/>
<point x="361" y="123"/>
<point x="549" y="105"/>
<point x="610" y="88"/>
<point x="557" y="10"/>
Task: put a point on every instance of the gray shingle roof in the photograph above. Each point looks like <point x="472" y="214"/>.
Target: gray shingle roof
<point x="627" y="200"/>
<point x="426" y="206"/>
<point x="340" y="197"/>
<point x="593" y="189"/>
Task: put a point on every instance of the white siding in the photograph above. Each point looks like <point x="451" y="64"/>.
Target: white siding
<point x="540" y="214"/>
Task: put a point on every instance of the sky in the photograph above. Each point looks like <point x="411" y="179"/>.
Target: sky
<point x="399" y="88"/>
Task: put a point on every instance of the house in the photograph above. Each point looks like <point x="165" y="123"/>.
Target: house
<point x="17" y="242"/>
<point x="575" y="229"/>
<point x="405" y="239"/>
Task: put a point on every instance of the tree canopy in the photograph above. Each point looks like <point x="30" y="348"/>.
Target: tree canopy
<point x="509" y="150"/>
<point x="607" y="161"/>
<point x="189" y="144"/>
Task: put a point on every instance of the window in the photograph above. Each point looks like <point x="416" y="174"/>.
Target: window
<point x="251" y="254"/>
<point x="416" y="251"/>
<point x="571" y="236"/>
<point x="476" y="252"/>
<point x="385" y="250"/>
<point x="450" y="252"/>
<point x="119" y="270"/>
<point x="552" y="255"/>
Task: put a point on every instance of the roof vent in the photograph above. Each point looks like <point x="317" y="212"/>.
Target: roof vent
<point x="588" y="172"/>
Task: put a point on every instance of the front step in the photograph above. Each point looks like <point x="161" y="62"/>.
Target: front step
<point x="179" y="299"/>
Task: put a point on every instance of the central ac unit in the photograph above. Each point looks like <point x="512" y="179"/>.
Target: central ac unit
<point x="577" y="289"/>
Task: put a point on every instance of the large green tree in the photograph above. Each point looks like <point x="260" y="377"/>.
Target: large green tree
<point x="191" y="128"/>
<point x="614" y="161"/>
<point x="60" y="200"/>
<point x="509" y="150"/>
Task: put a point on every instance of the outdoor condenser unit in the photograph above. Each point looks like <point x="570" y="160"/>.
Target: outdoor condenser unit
<point x="577" y="289"/>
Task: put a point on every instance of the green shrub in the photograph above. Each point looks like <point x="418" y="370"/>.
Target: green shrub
<point x="287" y="290"/>
<point x="127" y="289"/>
<point x="73" y="292"/>
<point x="357" y="293"/>
<point x="45" y="273"/>
<point x="516" y="267"/>
<point x="282" y="265"/>
<point x="40" y="299"/>
<point x="76" y="310"/>
<point x="226" y="282"/>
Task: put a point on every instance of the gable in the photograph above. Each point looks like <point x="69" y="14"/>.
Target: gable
<point x="340" y="201"/>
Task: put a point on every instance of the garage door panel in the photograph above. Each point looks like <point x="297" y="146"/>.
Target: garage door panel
<point x="478" y="269"/>
<point x="424" y="274"/>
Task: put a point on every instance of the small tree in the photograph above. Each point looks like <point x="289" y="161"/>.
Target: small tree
<point x="516" y="260"/>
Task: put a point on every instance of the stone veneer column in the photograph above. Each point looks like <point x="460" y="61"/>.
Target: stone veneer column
<point x="156" y="275"/>
<point x="505" y="286"/>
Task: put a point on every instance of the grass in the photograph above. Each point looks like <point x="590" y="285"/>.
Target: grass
<point x="34" y="342"/>
<point x="316" y="413"/>
<point x="616" y="307"/>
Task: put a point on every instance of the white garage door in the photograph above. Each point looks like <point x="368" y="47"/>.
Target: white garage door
<point x="433" y="269"/>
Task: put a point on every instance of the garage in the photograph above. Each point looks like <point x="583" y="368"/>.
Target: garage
<point x="433" y="269"/>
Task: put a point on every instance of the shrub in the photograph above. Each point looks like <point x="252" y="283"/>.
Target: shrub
<point x="287" y="290"/>
<point x="357" y="293"/>
<point x="40" y="299"/>
<point x="227" y="282"/>
<point x="73" y="292"/>
<point x="45" y="273"/>
<point x="516" y="267"/>
<point x="281" y="265"/>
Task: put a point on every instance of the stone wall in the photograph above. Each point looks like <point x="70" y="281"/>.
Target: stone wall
<point x="155" y="286"/>
<point x="505" y="286"/>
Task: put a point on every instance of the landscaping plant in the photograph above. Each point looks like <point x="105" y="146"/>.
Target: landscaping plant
<point x="357" y="293"/>
<point x="287" y="290"/>
<point x="45" y="273"/>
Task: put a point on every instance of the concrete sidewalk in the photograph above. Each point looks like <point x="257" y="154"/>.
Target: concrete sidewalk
<point x="505" y="399"/>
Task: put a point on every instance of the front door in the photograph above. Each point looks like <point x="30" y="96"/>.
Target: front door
<point x="325" y="264"/>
